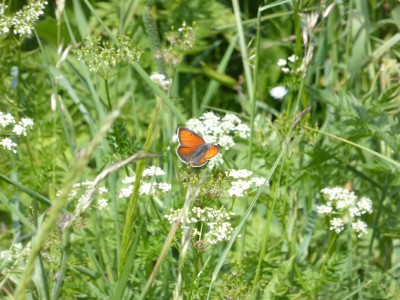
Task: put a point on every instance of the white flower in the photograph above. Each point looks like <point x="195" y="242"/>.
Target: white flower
<point x="125" y="192"/>
<point x="238" y="188"/>
<point x="337" y="225"/>
<point x="102" y="203"/>
<point x="365" y="205"/>
<point x="6" y="119"/>
<point x="165" y="187"/>
<point x="360" y="227"/>
<point x="240" y="173"/>
<point x="278" y="92"/>
<point x="19" y="129"/>
<point x="259" y="181"/>
<point x="218" y="130"/>
<point x="161" y="80"/>
<point x="102" y="190"/>
<point x="129" y="179"/>
<point x="216" y="223"/>
<point x="292" y="58"/>
<point x="285" y="70"/>
<point x="148" y="188"/>
<point x="217" y="160"/>
<point x="23" y="20"/>
<point x="243" y="131"/>
<point x="324" y="209"/>
<point x="27" y="122"/>
<point x="281" y="62"/>
<point x="344" y="203"/>
<point x="153" y="171"/>
<point x="8" y="144"/>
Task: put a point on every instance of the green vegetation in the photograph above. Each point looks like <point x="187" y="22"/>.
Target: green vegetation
<point x="302" y="98"/>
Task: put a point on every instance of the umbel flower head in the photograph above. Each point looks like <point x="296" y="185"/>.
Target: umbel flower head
<point x="103" y="58"/>
<point x="23" y="21"/>
<point x="343" y="207"/>
<point x="147" y="186"/>
<point x="214" y="224"/>
<point x="20" y="128"/>
<point x="219" y="130"/>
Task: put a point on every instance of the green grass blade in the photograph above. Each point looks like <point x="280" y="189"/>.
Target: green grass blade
<point x="33" y="194"/>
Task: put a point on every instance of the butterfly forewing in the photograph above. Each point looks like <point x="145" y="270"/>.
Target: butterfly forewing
<point x="188" y="138"/>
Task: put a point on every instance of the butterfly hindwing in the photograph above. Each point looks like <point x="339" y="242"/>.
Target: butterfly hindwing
<point x="205" y="157"/>
<point x="214" y="150"/>
<point x="185" y="153"/>
<point x="188" y="138"/>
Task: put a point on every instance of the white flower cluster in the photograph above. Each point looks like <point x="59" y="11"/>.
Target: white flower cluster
<point x="82" y="192"/>
<point x="23" y="21"/>
<point x="285" y="65"/>
<point x="218" y="130"/>
<point x="16" y="252"/>
<point x="217" y="220"/>
<point x="20" y="128"/>
<point x="146" y="188"/>
<point x="278" y="92"/>
<point x="161" y="80"/>
<point x="345" y="207"/>
<point x="242" y="182"/>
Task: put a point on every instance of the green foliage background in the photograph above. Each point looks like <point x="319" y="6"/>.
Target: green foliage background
<point x="350" y="137"/>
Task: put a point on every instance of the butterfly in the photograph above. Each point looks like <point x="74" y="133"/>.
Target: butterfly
<point x="193" y="150"/>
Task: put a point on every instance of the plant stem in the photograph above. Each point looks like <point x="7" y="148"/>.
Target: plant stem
<point x="195" y="269"/>
<point x="349" y="256"/>
<point x="108" y="94"/>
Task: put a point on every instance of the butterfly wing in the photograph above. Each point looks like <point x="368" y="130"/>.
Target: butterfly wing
<point x="207" y="155"/>
<point x="188" y="138"/>
<point x="185" y="154"/>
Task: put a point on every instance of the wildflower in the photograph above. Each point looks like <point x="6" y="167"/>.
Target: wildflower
<point x="292" y="58"/>
<point x="239" y="173"/>
<point x="6" y="119"/>
<point x="22" y="127"/>
<point x="84" y="192"/>
<point x="346" y="208"/>
<point x="180" y="41"/>
<point x="281" y="62"/>
<point x="240" y="186"/>
<point x="285" y="70"/>
<point x="16" y="252"/>
<point x="360" y="227"/>
<point x="258" y="181"/>
<point x="215" y="224"/>
<point x="337" y="225"/>
<point x="102" y="57"/>
<point x="150" y="188"/>
<point x="219" y="130"/>
<point x="125" y="192"/>
<point x="161" y="80"/>
<point x="102" y="203"/>
<point x="278" y="92"/>
<point x="153" y="171"/>
<point x="129" y="179"/>
<point x="23" y="21"/>
<point x="165" y="187"/>
<point x="8" y="144"/>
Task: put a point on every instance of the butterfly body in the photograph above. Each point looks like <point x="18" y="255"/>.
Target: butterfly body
<point x="193" y="150"/>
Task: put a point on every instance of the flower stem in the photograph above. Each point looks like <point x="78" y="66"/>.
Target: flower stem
<point x="349" y="256"/>
<point x="108" y="94"/>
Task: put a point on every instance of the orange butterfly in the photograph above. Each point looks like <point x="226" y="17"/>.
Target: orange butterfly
<point x="193" y="150"/>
